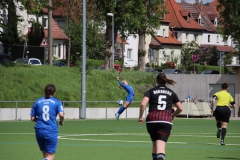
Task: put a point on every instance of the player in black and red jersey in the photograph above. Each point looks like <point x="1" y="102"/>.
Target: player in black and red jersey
<point x="160" y="115"/>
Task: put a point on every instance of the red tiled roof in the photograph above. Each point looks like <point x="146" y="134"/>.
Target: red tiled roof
<point x="212" y="16"/>
<point x="55" y="12"/>
<point x="208" y="15"/>
<point x="159" y="40"/>
<point x="184" y="13"/>
<point x="119" y="40"/>
<point x="57" y="33"/>
<point x="214" y="5"/>
<point x="154" y="42"/>
<point x="177" y="20"/>
<point x="222" y="48"/>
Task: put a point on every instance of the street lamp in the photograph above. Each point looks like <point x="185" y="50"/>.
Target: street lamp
<point x="112" y="15"/>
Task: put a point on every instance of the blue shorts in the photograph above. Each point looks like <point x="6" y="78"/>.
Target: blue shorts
<point x="129" y="98"/>
<point x="47" y="140"/>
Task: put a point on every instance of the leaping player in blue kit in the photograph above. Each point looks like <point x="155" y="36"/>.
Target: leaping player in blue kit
<point x="124" y="84"/>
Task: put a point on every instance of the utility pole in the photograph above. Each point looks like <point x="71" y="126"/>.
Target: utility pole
<point x="50" y="33"/>
<point x="83" y="108"/>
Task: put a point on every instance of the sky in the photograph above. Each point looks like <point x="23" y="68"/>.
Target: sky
<point x="192" y="1"/>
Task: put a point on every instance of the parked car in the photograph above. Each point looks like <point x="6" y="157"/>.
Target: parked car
<point x="153" y="70"/>
<point x="5" y="58"/>
<point x="29" y="61"/>
<point x="210" y="72"/>
<point x="59" y="64"/>
<point x="173" y="71"/>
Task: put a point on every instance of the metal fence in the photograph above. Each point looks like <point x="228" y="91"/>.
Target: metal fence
<point x="12" y="110"/>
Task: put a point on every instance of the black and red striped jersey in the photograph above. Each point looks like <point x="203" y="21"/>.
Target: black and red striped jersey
<point x="161" y="99"/>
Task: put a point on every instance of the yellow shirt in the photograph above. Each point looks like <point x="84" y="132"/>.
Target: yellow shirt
<point x="223" y="98"/>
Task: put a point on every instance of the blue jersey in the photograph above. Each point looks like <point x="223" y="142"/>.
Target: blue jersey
<point x="127" y="87"/>
<point x="46" y="111"/>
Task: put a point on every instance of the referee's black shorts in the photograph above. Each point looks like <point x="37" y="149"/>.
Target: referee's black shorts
<point x="159" y="131"/>
<point x="222" y="113"/>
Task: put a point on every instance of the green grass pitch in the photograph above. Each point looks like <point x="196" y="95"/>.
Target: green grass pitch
<point x="191" y="139"/>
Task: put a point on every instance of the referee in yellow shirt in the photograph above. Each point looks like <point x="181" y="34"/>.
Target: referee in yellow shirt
<point x="222" y="112"/>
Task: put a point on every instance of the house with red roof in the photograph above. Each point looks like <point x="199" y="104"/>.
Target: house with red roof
<point x="60" y="39"/>
<point x="164" y="46"/>
<point x="208" y="17"/>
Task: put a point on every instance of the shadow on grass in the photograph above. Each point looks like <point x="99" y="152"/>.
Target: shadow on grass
<point x="223" y="158"/>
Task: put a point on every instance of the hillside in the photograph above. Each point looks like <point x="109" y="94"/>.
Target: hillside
<point x="26" y="83"/>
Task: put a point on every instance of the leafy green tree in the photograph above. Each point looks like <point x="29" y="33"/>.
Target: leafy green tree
<point x="205" y="54"/>
<point x="227" y="58"/>
<point x="213" y="61"/>
<point x="10" y="35"/>
<point x="229" y="19"/>
<point x="95" y="40"/>
<point x="36" y="34"/>
<point x="147" y="18"/>
<point x="188" y="49"/>
<point x="71" y="10"/>
<point x="129" y="19"/>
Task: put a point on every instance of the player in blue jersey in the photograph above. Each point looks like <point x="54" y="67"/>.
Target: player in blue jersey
<point x="160" y="114"/>
<point x="44" y="112"/>
<point x="130" y="95"/>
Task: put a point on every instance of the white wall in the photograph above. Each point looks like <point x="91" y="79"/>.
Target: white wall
<point x="133" y="45"/>
<point x="70" y="113"/>
<point x="186" y="36"/>
<point x="171" y="52"/>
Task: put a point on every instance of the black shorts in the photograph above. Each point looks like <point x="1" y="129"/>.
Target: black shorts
<point x="159" y="131"/>
<point x="222" y="114"/>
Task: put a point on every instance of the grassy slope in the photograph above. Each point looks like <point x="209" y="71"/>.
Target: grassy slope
<point x="24" y="83"/>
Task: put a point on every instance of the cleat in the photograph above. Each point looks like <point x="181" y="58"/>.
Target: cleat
<point x="219" y="132"/>
<point x="117" y="116"/>
<point x="222" y="142"/>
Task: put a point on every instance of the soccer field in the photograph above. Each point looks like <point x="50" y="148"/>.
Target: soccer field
<point x="191" y="139"/>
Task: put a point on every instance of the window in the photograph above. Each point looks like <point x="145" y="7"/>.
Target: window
<point x="176" y="34"/>
<point x="61" y="23"/>
<point x="129" y="53"/>
<point x="226" y="43"/>
<point x="55" y="51"/>
<point x="208" y="38"/>
<point x="195" y="38"/>
<point x="45" y="22"/>
<point x="217" y="39"/>
<point x="199" y="21"/>
<point x="59" y="50"/>
<point x="215" y="22"/>
<point x="187" y="36"/>
<point x="164" y="32"/>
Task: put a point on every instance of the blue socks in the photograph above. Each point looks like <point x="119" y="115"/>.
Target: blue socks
<point x="121" y="109"/>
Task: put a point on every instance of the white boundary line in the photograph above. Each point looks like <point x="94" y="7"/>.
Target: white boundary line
<point x="66" y="137"/>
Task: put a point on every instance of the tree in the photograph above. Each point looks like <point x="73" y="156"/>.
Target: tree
<point x="188" y="49"/>
<point x="129" y="19"/>
<point x="10" y="35"/>
<point x="71" y="10"/>
<point x="148" y="15"/>
<point x="205" y="53"/>
<point x="229" y="19"/>
<point x="36" y="34"/>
